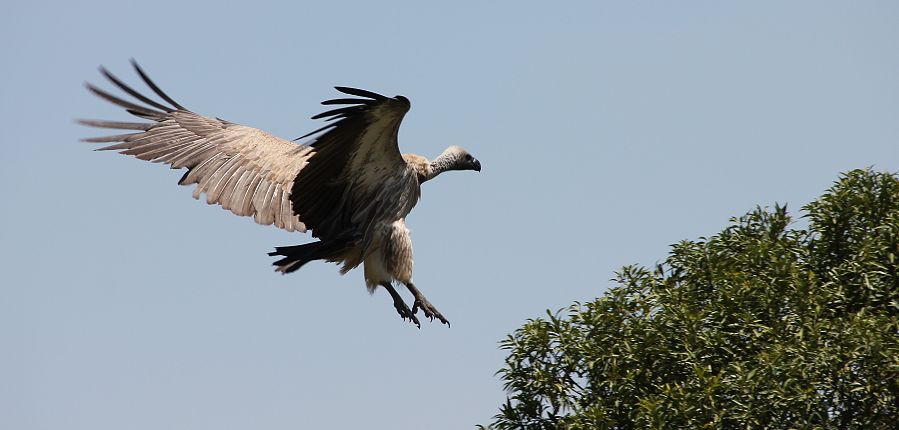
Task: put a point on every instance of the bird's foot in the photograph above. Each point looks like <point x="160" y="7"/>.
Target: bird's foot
<point x="429" y="310"/>
<point x="403" y="309"/>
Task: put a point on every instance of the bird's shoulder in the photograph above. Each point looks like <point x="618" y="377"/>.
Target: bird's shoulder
<point x="420" y="165"/>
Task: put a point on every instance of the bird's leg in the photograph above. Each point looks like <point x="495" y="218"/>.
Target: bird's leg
<point x="426" y="306"/>
<point x="401" y="307"/>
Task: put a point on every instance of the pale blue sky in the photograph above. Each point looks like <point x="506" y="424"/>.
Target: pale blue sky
<point x="606" y="130"/>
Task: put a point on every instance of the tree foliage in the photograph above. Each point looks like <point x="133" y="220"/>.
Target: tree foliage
<point x="759" y="326"/>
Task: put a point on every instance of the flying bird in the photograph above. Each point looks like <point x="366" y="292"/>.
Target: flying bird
<point x="349" y="185"/>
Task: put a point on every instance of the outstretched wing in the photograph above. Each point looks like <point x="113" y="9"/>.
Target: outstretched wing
<point x="357" y="177"/>
<point x="243" y="169"/>
<point x="336" y="186"/>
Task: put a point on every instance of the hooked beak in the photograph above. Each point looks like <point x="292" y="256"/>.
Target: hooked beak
<point x="476" y="165"/>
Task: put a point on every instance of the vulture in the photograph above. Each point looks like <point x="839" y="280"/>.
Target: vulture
<point x="349" y="185"/>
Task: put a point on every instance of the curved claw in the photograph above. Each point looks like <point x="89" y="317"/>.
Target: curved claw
<point x="400" y="305"/>
<point x="422" y="303"/>
<point x="429" y="310"/>
<point x="404" y="312"/>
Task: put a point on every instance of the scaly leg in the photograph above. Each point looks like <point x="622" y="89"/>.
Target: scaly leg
<point x="401" y="307"/>
<point x="426" y="306"/>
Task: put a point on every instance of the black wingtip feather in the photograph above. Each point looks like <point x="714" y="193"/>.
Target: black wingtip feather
<point x="153" y="86"/>
<point x="355" y="107"/>
<point x="314" y="132"/>
<point x="338" y="111"/>
<point x="360" y="93"/>
<point x="124" y="87"/>
<point x="130" y="107"/>
<point x="347" y="102"/>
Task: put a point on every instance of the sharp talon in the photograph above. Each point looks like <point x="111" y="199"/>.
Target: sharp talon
<point x="427" y="308"/>
<point x="401" y="308"/>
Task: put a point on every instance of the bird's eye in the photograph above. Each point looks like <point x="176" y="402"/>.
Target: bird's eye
<point x="468" y="157"/>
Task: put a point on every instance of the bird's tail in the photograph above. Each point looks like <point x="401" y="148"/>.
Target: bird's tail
<point x="297" y="255"/>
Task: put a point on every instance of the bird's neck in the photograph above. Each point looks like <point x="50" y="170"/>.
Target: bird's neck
<point x="439" y="165"/>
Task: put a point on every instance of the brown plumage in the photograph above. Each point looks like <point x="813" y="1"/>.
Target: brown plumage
<point x="349" y="186"/>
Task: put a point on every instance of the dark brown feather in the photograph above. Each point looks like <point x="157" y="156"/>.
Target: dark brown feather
<point x="116" y="124"/>
<point x="318" y="189"/>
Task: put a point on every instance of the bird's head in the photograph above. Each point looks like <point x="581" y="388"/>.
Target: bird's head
<point x="457" y="158"/>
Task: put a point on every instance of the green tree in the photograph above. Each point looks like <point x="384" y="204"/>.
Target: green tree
<point x="759" y="326"/>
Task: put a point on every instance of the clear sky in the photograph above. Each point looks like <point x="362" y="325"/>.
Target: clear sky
<point x="606" y="131"/>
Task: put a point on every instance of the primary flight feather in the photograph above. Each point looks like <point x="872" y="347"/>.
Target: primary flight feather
<point x="351" y="187"/>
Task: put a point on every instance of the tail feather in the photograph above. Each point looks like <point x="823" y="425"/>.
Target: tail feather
<point x="297" y="256"/>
